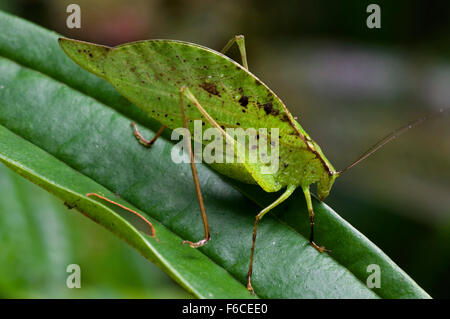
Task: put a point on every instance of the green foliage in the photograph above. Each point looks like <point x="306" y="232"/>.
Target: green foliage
<point x="68" y="131"/>
<point x="39" y="237"/>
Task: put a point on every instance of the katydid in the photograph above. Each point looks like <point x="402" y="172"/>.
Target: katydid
<point x="177" y="82"/>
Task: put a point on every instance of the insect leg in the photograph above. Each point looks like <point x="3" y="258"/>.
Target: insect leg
<point x="289" y="190"/>
<point x="240" y="153"/>
<point x="142" y="140"/>
<point x="311" y="219"/>
<point x="191" y="96"/>
<point x="240" y="41"/>
<point x="196" y="182"/>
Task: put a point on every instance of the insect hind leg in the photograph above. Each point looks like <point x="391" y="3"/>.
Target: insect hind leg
<point x="195" y="177"/>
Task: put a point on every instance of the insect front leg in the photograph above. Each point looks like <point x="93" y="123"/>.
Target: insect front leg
<point x="311" y="219"/>
<point x="142" y="140"/>
<point x="196" y="182"/>
<point x="289" y="190"/>
<point x="240" y="41"/>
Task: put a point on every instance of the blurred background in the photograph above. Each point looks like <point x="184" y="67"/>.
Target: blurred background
<point x="347" y="84"/>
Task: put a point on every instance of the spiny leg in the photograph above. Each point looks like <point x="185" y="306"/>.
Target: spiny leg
<point x="240" y="41"/>
<point x="289" y="190"/>
<point x="185" y="91"/>
<point x="142" y="140"/>
<point x="311" y="219"/>
<point x="196" y="182"/>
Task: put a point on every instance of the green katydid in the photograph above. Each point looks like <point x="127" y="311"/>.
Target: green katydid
<point x="176" y="82"/>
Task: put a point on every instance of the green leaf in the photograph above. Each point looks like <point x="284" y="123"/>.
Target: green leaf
<point x="183" y="264"/>
<point x="39" y="239"/>
<point x="68" y="131"/>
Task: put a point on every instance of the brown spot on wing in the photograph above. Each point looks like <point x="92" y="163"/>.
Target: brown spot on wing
<point x="210" y="88"/>
<point x="243" y="100"/>
<point x="268" y="108"/>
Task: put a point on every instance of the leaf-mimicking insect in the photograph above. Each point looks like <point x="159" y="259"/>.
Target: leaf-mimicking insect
<point x="177" y="82"/>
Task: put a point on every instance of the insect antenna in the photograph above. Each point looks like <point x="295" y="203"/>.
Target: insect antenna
<point x="392" y="136"/>
<point x="126" y="208"/>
